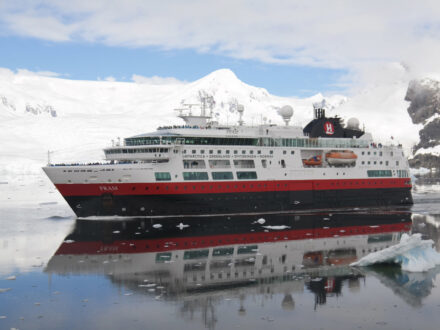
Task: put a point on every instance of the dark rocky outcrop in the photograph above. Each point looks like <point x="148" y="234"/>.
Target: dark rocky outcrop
<point x="424" y="98"/>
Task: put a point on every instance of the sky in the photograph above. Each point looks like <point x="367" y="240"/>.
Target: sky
<point x="291" y="48"/>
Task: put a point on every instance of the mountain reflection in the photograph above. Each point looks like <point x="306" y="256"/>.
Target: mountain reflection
<point x="194" y="260"/>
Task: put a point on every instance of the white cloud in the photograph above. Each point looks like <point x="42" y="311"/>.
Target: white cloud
<point x="155" y="80"/>
<point x="341" y="34"/>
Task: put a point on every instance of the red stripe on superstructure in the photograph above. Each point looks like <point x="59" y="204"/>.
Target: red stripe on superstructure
<point x="211" y="187"/>
<point x="198" y="242"/>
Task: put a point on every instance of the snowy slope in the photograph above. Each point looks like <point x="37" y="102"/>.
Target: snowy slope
<point x="76" y="119"/>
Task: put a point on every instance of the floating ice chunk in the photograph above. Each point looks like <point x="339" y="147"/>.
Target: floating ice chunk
<point x="2" y="316"/>
<point x="128" y="294"/>
<point x="412" y="253"/>
<point x="181" y="226"/>
<point x="157" y="225"/>
<point x="4" y="290"/>
<point x="11" y="278"/>
<point x="276" y="227"/>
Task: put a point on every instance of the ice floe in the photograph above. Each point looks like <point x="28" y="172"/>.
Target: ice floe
<point x="412" y="253"/>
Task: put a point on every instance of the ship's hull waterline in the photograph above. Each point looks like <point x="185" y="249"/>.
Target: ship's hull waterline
<point x="196" y="199"/>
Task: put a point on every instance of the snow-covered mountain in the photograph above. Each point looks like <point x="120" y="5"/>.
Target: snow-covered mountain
<point x="76" y="119"/>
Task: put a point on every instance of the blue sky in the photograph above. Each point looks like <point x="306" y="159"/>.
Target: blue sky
<point x="93" y="61"/>
<point x="291" y="48"/>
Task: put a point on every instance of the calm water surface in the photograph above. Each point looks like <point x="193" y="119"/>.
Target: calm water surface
<point x="285" y="271"/>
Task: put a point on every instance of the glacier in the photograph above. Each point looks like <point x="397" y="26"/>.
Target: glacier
<point x="412" y="253"/>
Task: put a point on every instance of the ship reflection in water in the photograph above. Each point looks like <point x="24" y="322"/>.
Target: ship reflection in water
<point x="197" y="258"/>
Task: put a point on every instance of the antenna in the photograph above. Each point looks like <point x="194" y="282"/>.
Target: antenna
<point x="240" y="110"/>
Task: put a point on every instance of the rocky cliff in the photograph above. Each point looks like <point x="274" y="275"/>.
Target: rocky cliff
<point x="424" y="109"/>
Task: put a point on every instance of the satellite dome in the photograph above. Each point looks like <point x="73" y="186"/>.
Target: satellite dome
<point x="286" y="112"/>
<point x="353" y="123"/>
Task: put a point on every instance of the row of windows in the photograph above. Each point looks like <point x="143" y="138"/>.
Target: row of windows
<point x="379" y="173"/>
<point x="264" y="142"/>
<point x="203" y="176"/>
<point x="402" y="174"/>
<point x="135" y="151"/>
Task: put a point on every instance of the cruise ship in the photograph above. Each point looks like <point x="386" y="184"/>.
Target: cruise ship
<point x="203" y="167"/>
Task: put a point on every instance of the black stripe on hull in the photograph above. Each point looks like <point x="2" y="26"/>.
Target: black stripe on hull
<point x="197" y="204"/>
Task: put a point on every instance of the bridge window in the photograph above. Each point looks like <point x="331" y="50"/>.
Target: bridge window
<point x="195" y="176"/>
<point x="246" y="175"/>
<point x="222" y="176"/>
<point x="196" y="254"/>
<point x="162" y="176"/>
<point x="379" y="173"/>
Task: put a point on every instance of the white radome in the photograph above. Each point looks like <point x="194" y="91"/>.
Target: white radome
<point x="353" y="123"/>
<point x="286" y="112"/>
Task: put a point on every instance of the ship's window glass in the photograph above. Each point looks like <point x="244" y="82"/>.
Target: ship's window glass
<point x="195" y="266"/>
<point x="244" y="163"/>
<point x="375" y="152"/>
<point x="368" y="152"/>
<point x="184" y="151"/>
<point x="363" y="162"/>
<point x="243" y="152"/>
<point x="283" y="163"/>
<point x="219" y="163"/>
<point x="368" y="162"/>
<point x="222" y="176"/>
<point x="210" y="152"/>
<point x="264" y="163"/>
<point x="245" y="249"/>
<point x="219" y="151"/>
<point x="374" y="162"/>
<point x="284" y="152"/>
<point x="195" y="176"/>
<point x="397" y="163"/>
<point x="380" y="153"/>
<point x="202" y="151"/>
<point x="251" y="152"/>
<point x="379" y="173"/>
<point x="363" y="152"/>
<point x="193" y="151"/>
<point x="235" y="152"/>
<point x="196" y="254"/>
<point x="386" y="163"/>
<point x="222" y="252"/>
<point x="163" y="257"/>
<point x="194" y="163"/>
<point x="271" y="152"/>
<point x="392" y="153"/>
<point x="259" y="152"/>
<point x="246" y="175"/>
<point x="162" y="176"/>
<point x="292" y="152"/>
<point x="227" y="152"/>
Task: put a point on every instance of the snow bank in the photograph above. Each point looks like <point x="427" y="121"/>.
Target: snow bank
<point x="412" y="253"/>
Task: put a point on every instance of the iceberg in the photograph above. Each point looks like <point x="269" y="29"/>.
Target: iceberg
<point x="412" y="253"/>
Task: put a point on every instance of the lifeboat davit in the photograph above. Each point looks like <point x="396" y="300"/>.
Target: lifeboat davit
<point x="313" y="161"/>
<point x="344" y="157"/>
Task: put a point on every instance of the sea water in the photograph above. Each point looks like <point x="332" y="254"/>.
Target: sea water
<point x="257" y="272"/>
